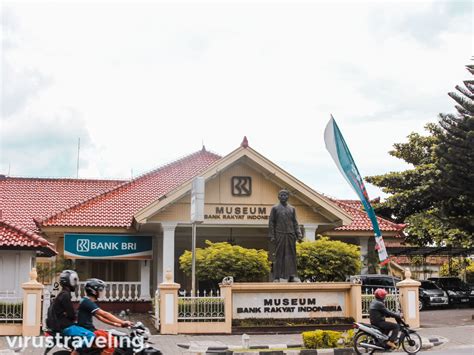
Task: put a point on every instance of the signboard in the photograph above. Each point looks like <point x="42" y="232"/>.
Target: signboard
<point x="108" y="246"/>
<point x="288" y="305"/>
<point x="197" y="200"/>
<point x="241" y="212"/>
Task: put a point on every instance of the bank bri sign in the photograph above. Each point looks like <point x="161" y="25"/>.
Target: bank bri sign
<point x="108" y="246"/>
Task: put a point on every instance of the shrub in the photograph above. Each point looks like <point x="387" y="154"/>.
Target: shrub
<point x="219" y="260"/>
<point x="327" y="260"/>
<point x="323" y="339"/>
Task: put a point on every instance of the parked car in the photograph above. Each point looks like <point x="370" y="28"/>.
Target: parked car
<point x="458" y="291"/>
<point x="371" y="282"/>
<point x="431" y="295"/>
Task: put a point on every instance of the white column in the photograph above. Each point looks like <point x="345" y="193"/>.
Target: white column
<point x="145" y="279"/>
<point x="168" y="247"/>
<point x="364" y="254"/>
<point x="310" y="231"/>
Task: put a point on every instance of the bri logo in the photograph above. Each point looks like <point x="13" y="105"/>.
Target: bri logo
<point x="82" y="245"/>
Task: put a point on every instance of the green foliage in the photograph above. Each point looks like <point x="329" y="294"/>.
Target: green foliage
<point x="47" y="271"/>
<point x="459" y="267"/>
<point x="219" y="260"/>
<point x="436" y="196"/>
<point x="327" y="260"/>
<point x="323" y="339"/>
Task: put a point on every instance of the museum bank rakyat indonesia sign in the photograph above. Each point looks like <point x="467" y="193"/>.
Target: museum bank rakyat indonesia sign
<point x="108" y="246"/>
<point x="249" y="212"/>
<point x="288" y="305"/>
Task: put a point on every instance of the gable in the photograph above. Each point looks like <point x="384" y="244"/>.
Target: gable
<point x="225" y="206"/>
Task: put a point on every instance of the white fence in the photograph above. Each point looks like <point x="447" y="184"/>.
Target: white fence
<point x="204" y="307"/>
<point x="391" y="301"/>
<point x="115" y="291"/>
<point x="11" y="307"/>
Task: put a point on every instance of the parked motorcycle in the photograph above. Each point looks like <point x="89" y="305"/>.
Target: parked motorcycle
<point x="369" y="339"/>
<point x="138" y="334"/>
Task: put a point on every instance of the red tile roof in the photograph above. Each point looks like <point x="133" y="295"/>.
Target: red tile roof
<point x="361" y="221"/>
<point x="24" y="199"/>
<point x="18" y="238"/>
<point x="116" y="207"/>
<point x="112" y="203"/>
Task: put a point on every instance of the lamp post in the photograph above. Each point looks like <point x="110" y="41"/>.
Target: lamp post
<point x="197" y="216"/>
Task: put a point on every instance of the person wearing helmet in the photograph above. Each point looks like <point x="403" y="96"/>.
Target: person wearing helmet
<point x="88" y="308"/>
<point x="61" y="315"/>
<point x="378" y="312"/>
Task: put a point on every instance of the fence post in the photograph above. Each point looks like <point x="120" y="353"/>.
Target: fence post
<point x="355" y="297"/>
<point x="226" y="294"/>
<point x="32" y="305"/>
<point x="409" y="301"/>
<point x="46" y="303"/>
<point x="157" y="309"/>
<point x="169" y="305"/>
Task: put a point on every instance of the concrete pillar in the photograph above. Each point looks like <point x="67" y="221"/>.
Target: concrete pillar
<point x="169" y="305"/>
<point x="409" y="302"/>
<point x="168" y="247"/>
<point x="364" y="254"/>
<point x="310" y="231"/>
<point x="145" y="280"/>
<point x="32" y="291"/>
<point x="355" y="301"/>
<point x="226" y="294"/>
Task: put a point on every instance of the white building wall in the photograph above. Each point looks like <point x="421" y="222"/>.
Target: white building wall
<point x="15" y="267"/>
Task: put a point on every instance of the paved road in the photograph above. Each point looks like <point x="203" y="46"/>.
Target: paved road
<point x="454" y="324"/>
<point x="447" y="317"/>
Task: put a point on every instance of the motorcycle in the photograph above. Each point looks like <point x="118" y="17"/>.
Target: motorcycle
<point x="127" y="343"/>
<point x="369" y="339"/>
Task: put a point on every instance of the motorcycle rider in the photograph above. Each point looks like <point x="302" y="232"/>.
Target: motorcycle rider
<point x="378" y="312"/>
<point x="62" y="315"/>
<point x="88" y="308"/>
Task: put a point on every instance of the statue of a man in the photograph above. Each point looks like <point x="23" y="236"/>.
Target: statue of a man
<point x="284" y="231"/>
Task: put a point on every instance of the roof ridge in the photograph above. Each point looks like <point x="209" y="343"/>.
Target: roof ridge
<point x="28" y="233"/>
<point x="118" y="187"/>
<point x="396" y="225"/>
<point x="56" y="178"/>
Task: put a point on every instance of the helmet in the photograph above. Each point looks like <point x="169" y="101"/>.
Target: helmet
<point x="380" y="294"/>
<point x="94" y="287"/>
<point x="69" y="279"/>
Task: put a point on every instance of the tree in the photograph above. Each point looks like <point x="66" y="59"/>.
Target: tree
<point x="462" y="267"/>
<point x="327" y="260"/>
<point x="219" y="260"/>
<point x="436" y="197"/>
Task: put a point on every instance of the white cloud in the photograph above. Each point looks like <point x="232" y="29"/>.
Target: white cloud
<point x="150" y="81"/>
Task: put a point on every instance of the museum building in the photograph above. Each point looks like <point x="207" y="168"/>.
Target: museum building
<point x="129" y="233"/>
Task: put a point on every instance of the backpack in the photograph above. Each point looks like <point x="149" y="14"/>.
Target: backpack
<point x="52" y="321"/>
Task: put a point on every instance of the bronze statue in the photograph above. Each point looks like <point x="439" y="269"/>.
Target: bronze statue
<point x="284" y="232"/>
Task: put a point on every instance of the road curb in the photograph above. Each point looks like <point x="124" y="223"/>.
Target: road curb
<point x="427" y="343"/>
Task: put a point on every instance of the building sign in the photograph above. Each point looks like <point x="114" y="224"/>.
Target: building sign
<point x="108" y="246"/>
<point x="288" y="305"/>
<point x="238" y="212"/>
<point x="241" y="185"/>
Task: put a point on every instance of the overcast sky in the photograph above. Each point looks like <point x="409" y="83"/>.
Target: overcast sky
<point x="145" y="83"/>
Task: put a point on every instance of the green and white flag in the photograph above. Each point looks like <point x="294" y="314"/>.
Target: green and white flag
<point x="339" y="151"/>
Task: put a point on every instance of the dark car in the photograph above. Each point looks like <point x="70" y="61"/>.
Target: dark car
<point x="431" y="295"/>
<point x="458" y="291"/>
<point x="371" y="282"/>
